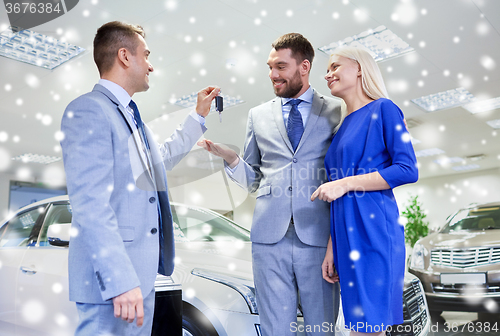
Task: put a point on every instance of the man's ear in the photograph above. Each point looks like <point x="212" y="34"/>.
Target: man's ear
<point x="123" y="57"/>
<point x="305" y="67"/>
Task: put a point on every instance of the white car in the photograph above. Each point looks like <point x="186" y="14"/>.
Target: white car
<point x="213" y="266"/>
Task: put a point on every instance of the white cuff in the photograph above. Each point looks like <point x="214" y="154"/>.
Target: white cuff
<point x="232" y="170"/>
<point x="234" y="163"/>
<point x="198" y="117"/>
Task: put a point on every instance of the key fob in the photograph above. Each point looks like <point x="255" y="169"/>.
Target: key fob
<point x="219" y="103"/>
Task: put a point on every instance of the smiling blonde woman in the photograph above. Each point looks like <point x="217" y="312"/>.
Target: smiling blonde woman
<point x="370" y="154"/>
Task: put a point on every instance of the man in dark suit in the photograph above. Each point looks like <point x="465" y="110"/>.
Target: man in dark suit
<point x="283" y="162"/>
<point x="116" y="178"/>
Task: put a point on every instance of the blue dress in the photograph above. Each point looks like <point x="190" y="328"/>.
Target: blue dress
<point x="367" y="239"/>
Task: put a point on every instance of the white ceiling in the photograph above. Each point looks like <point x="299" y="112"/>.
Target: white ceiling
<point x="189" y="38"/>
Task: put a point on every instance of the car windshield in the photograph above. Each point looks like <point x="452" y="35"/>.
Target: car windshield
<point x="482" y="218"/>
<point x="196" y="224"/>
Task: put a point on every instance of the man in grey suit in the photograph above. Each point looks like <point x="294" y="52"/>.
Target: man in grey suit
<point x="116" y="178"/>
<point x="287" y="139"/>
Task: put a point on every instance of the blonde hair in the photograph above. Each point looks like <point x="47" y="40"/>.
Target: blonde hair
<point x="372" y="82"/>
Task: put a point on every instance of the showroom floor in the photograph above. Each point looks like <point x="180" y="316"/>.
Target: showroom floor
<point x="466" y="324"/>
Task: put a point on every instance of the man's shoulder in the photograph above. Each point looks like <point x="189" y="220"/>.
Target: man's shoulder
<point x="94" y="104"/>
<point x="95" y="96"/>
<point x="267" y="106"/>
<point x="328" y="99"/>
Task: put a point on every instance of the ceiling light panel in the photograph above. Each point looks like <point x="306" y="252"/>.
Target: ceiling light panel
<point x="466" y="167"/>
<point x="429" y="152"/>
<point x="448" y="160"/>
<point x="494" y="123"/>
<point x="381" y="43"/>
<point x="444" y="100"/>
<point x="37" y="49"/>
<point x="477" y="157"/>
<point x="483" y="105"/>
<point x="36" y="158"/>
<point x="190" y="101"/>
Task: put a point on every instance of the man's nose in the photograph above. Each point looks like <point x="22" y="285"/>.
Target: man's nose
<point x="273" y="73"/>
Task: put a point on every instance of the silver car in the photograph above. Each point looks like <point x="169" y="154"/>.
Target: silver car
<point x="213" y="266"/>
<point x="459" y="265"/>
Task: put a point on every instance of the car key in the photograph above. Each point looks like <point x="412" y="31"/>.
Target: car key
<point x="219" y="106"/>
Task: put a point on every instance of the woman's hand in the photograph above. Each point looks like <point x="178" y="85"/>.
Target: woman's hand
<point x="328" y="269"/>
<point x="330" y="191"/>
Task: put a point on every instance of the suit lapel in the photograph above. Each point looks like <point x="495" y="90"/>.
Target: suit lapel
<point x="112" y="97"/>
<point x="139" y="143"/>
<point x="157" y="168"/>
<point x="316" y="109"/>
<point x="132" y="127"/>
<point x="277" y="111"/>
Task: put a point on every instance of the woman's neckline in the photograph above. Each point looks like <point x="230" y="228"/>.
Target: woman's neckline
<point x="362" y="107"/>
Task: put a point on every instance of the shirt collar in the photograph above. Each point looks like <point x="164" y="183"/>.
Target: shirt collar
<point x="119" y="92"/>
<point x="306" y="96"/>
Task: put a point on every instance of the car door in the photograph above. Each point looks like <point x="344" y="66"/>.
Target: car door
<point x="14" y="240"/>
<point x="43" y="300"/>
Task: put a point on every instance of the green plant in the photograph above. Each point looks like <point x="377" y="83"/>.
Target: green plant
<point x="415" y="227"/>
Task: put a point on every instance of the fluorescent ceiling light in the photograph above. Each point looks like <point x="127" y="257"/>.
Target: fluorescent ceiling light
<point x="476" y="157"/>
<point x="494" y="123"/>
<point x="467" y="167"/>
<point x="380" y="42"/>
<point x="448" y="160"/>
<point x="33" y="48"/>
<point x="444" y="100"/>
<point x="429" y="152"/>
<point x="190" y="101"/>
<point x="415" y="141"/>
<point x="43" y="159"/>
<point x="483" y="105"/>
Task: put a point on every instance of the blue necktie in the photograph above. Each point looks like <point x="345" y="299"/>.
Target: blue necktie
<point x="138" y="120"/>
<point x="295" y="127"/>
<point x="140" y="127"/>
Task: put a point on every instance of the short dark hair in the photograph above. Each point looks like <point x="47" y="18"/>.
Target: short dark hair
<point x="110" y="38"/>
<point x="301" y="48"/>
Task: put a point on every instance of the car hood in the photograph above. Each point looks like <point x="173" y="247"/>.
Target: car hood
<point x="462" y="239"/>
<point x="234" y="258"/>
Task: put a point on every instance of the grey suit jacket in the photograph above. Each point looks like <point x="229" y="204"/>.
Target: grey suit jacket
<point x="116" y="191"/>
<point x="283" y="180"/>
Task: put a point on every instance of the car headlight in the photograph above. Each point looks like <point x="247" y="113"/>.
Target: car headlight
<point x="417" y="256"/>
<point x="243" y="286"/>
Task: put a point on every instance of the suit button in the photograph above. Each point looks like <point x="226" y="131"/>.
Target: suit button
<point x="290" y="188"/>
<point x="154" y="230"/>
<point x="295" y="160"/>
<point x="152" y="200"/>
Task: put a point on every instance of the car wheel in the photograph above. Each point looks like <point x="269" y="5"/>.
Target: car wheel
<point x="191" y="327"/>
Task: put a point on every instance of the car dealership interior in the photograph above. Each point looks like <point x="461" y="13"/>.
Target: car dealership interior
<point x="440" y="60"/>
